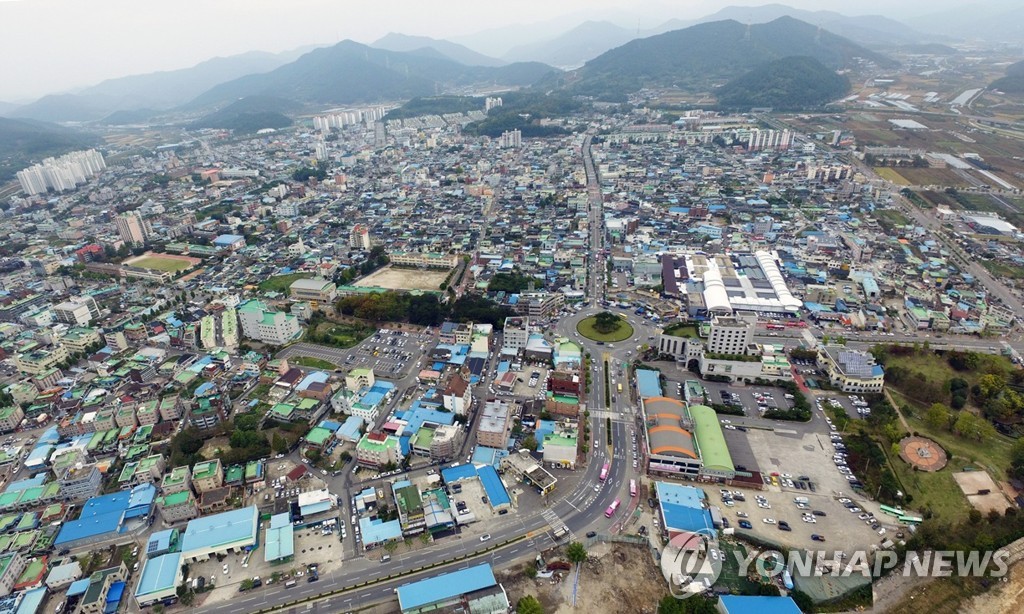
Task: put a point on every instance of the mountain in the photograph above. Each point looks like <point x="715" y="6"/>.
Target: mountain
<point x="350" y="72"/>
<point x="250" y="114"/>
<point x="453" y="51"/>
<point x="158" y="90"/>
<point x="864" y="29"/>
<point x="23" y="141"/>
<point x="571" y="49"/>
<point x="1013" y="82"/>
<point x="7" y="107"/>
<point x="699" y="56"/>
<point x="789" y="83"/>
<point x="126" y="117"/>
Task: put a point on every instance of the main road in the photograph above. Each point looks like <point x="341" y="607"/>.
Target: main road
<point x="528" y="531"/>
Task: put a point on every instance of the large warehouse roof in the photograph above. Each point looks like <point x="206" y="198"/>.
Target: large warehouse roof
<point x="445" y="587"/>
<point x="665" y="432"/>
<point x="159" y="574"/>
<point x="209" y="533"/>
<point x="714" y="452"/>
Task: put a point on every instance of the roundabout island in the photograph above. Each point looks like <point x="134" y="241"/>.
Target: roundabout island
<point x="605" y="327"/>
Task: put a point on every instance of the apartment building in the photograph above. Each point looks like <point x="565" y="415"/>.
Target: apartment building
<point x="732" y="334"/>
<point x="261" y="323"/>
<point x="495" y="422"/>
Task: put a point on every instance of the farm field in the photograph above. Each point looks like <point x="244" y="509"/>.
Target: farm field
<point x="891" y="174"/>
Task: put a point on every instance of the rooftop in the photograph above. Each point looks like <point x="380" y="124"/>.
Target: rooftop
<point x="445" y="586"/>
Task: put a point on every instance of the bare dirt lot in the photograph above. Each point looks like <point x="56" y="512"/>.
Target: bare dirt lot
<point x="394" y="278"/>
<point x="617" y="578"/>
<point x="973" y="483"/>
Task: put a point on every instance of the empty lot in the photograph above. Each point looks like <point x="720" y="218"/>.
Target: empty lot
<point x="394" y="278"/>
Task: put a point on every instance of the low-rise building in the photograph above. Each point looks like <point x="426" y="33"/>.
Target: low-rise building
<point x="494" y="425"/>
<point x="316" y="291"/>
<point x="263" y="324"/>
<point x="10" y="418"/>
<point x="851" y="370"/>
<point x="207" y="476"/>
<point x="178" y="506"/>
<point x="378" y="450"/>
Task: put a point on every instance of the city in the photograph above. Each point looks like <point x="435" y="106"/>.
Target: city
<point x="523" y="336"/>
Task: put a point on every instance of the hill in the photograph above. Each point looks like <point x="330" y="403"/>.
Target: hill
<point x="791" y="83"/>
<point x="705" y="54"/>
<point x="394" y="41"/>
<point x="1013" y="82"/>
<point x="864" y="29"/>
<point x="571" y="49"/>
<point x="125" y="117"/>
<point x="437" y="105"/>
<point x="158" y="90"/>
<point x="23" y="141"/>
<point x="350" y="72"/>
<point x="250" y="114"/>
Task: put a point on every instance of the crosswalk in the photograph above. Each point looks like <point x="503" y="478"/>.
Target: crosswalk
<point x="556" y="523"/>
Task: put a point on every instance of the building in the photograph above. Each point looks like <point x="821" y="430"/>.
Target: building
<point x="682" y="348"/>
<point x="458" y="395"/>
<point x="61" y="174"/>
<point x="445" y="443"/>
<point x="456" y="333"/>
<point x="732" y="334"/>
<point x="669" y="435"/>
<point x="209" y="536"/>
<point x="62" y="575"/>
<point x="101" y="593"/>
<point x="316" y="291"/>
<point x="159" y="579"/>
<point x="207" y="476"/>
<point x="516" y="333"/>
<point x="378" y="450"/>
<point x="12" y="565"/>
<point x="79" y="311"/>
<point x="522" y="467"/>
<point x="683" y="509"/>
<point x="229" y="242"/>
<point x="851" y="370"/>
<point x="540" y="304"/>
<point x="280" y="539"/>
<point x="360" y="237"/>
<point x="410" y="509"/>
<point x="426" y="260"/>
<point x="261" y="323"/>
<point x="178" y="480"/>
<point x="716" y="462"/>
<point x="10" y="418"/>
<point x="134" y="230"/>
<point x="494" y="426"/>
<point x="751" y="604"/>
<point x="107" y="516"/>
<point x="178" y="506"/>
<point x="79" y="339"/>
<point x="561" y="446"/>
<point x="468" y="590"/>
<point x="80" y="482"/>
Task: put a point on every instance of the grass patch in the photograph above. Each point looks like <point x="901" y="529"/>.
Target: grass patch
<point x="936" y="492"/>
<point x="682" y="329"/>
<point x="315" y="363"/>
<point x="890" y="174"/>
<point x="281" y="283"/>
<point x="339" y="335"/>
<point x="586" y="328"/>
<point x="1003" y="269"/>
<point x="890" y="218"/>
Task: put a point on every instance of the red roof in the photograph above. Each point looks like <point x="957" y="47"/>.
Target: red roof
<point x="296" y="473"/>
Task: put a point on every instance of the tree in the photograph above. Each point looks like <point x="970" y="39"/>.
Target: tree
<point x="530" y="570"/>
<point x="528" y="604"/>
<point x="247" y="584"/>
<point x="576" y="552"/>
<point x="937" y="416"/>
<point x="607" y="322"/>
<point x="530" y="443"/>
<point x="279" y="444"/>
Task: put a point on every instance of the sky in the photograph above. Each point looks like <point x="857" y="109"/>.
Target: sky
<point x="53" y="46"/>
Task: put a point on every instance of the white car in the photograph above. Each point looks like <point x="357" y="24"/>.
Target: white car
<point x="485" y="537"/>
<point x="768" y="520"/>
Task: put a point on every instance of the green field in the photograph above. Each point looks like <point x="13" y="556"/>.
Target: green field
<point x="891" y="174"/>
<point x="157" y="263"/>
<point x="280" y="283"/>
<point x="586" y="328"/>
<point x="314" y="363"/>
<point x="338" y="335"/>
<point x="1003" y="269"/>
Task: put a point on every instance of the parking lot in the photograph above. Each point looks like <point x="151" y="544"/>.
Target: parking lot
<point x="535" y="375"/>
<point x="850" y="406"/>
<point x="390" y="353"/>
<point x="784" y="456"/>
<point x="755" y="400"/>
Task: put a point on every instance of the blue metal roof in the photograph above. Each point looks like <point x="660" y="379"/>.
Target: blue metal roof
<point x="445" y="586"/>
<point x="226" y="527"/>
<point x="78" y="587"/>
<point x="280" y="538"/>
<point x="158" y="574"/>
<point x="742" y="604"/>
<point x="376" y="531"/>
<point x="492" y="485"/>
<point x="105" y="514"/>
<point x="648" y="382"/>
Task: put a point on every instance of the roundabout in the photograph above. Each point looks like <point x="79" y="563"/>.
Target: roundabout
<point x="598" y="328"/>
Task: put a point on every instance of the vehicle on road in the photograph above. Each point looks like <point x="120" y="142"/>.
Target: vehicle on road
<point x="485" y="537"/>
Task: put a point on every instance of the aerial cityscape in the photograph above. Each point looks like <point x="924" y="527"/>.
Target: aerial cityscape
<point x="589" y="308"/>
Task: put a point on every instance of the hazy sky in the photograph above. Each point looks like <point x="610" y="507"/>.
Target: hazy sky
<point x="50" y="46"/>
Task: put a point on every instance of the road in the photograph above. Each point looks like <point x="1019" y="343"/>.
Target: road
<point x="579" y="508"/>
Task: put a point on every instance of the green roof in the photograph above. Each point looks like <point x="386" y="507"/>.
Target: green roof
<point x="714" y="453"/>
<point x="423" y="437"/>
<point x="235" y="473"/>
<point x="177" y="498"/>
<point x="204" y="470"/>
<point x="318" y="436"/>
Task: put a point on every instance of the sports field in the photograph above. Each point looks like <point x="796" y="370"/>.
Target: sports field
<point x="394" y="278"/>
<point x="163" y="262"/>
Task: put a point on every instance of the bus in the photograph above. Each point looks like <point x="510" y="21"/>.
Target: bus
<point x="605" y="469"/>
<point x="775" y="327"/>
<point x="608" y="513"/>
<point x="632" y="488"/>
<point x="907" y="519"/>
<point x="892" y="511"/>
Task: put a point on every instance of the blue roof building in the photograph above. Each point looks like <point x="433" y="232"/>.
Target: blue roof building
<point x="682" y="508"/>
<point x="159" y="579"/>
<point x="742" y="604"/>
<point x="280" y="542"/>
<point x="648" y="383"/>
<point x="105" y="516"/>
<point x="377" y="532"/>
<point x="443" y="591"/>
<point x="234" y="530"/>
